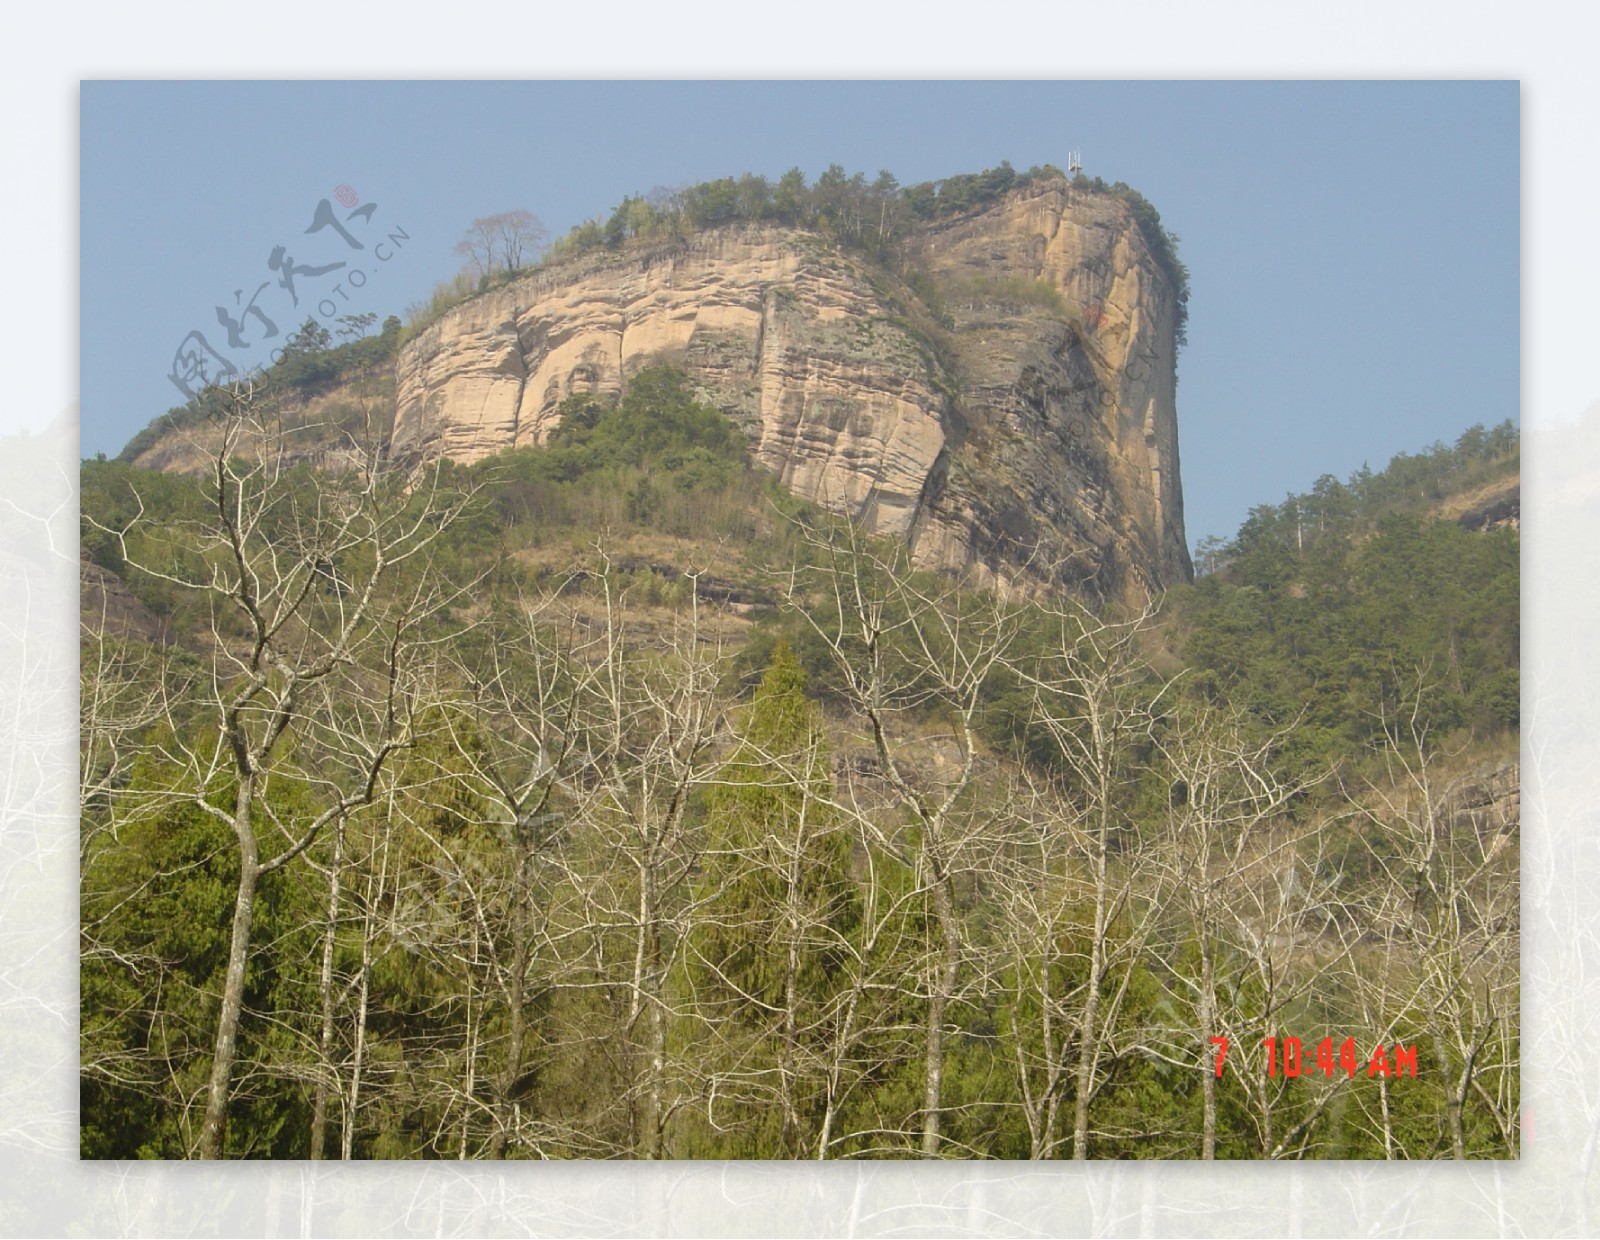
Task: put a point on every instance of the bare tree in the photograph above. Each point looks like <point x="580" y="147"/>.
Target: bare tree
<point x="478" y="246"/>
<point x="1079" y="866"/>
<point x="1247" y="883"/>
<point x="654" y="718"/>
<point x="1445" y="914"/>
<point x="126" y="695"/>
<point x="518" y="737"/>
<point x="503" y="242"/>
<point x="125" y="688"/>
<point x="1039" y="924"/>
<point x="774" y="917"/>
<point x="521" y="238"/>
<point x="313" y="681"/>
<point x="905" y="644"/>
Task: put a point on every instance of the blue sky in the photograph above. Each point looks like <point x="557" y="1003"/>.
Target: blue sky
<point x="1353" y="247"/>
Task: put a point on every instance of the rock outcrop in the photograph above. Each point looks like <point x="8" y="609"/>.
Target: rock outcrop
<point x="1493" y="507"/>
<point x="1013" y="418"/>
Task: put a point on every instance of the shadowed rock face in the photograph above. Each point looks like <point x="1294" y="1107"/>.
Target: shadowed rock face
<point x="1502" y="506"/>
<point x="1028" y="437"/>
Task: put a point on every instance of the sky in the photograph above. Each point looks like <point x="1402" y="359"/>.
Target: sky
<point x="1353" y="247"/>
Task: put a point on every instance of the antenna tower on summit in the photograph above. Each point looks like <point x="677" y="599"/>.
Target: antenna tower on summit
<point x="1074" y="162"/>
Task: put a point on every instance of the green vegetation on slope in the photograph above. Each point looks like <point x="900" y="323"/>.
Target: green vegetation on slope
<point x="681" y="820"/>
<point x="1327" y="607"/>
<point x="309" y="362"/>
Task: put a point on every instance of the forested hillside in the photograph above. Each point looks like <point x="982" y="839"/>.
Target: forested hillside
<point x="1325" y="608"/>
<point x="601" y="800"/>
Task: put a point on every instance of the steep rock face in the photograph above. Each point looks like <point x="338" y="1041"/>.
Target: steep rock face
<point x="1071" y="399"/>
<point x="1023" y="430"/>
<point x="783" y="334"/>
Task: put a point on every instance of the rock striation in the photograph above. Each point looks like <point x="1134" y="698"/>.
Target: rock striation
<point x="1014" y="417"/>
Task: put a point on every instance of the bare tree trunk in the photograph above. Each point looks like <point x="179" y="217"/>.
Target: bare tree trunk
<point x="347" y="1137"/>
<point x="319" y="1104"/>
<point x="474" y="1024"/>
<point x="944" y="986"/>
<point x="363" y="991"/>
<point x="655" y="1017"/>
<point x="791" y="972"/>
<point x="646" y="1007"/>
<point x="1208" y="1025"/>
<point x="1388" y="1122"/>
<point x="1454" y="1103"/>
<point x="841" y="1042"/>
<point x="1263" y="1092"/>
<point x="1089" y="1031"/>
<point x="511" y="1068"/>
<point x="214" y="1134"/>
<point x="946" y="654"/>
<point x="874" y="920"/>
<point x="1087" y="1046"/>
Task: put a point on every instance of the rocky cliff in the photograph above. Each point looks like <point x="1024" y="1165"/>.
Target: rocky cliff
<point x="1013" y="417"/>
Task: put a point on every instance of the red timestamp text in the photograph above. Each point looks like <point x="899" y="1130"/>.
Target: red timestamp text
<point x="1290" y="1058"/>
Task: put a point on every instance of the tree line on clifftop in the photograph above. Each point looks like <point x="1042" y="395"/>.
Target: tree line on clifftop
<point x="867" y="216"/>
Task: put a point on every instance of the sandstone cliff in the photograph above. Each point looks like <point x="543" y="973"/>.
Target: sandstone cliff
<point x="1014" y="417"/>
